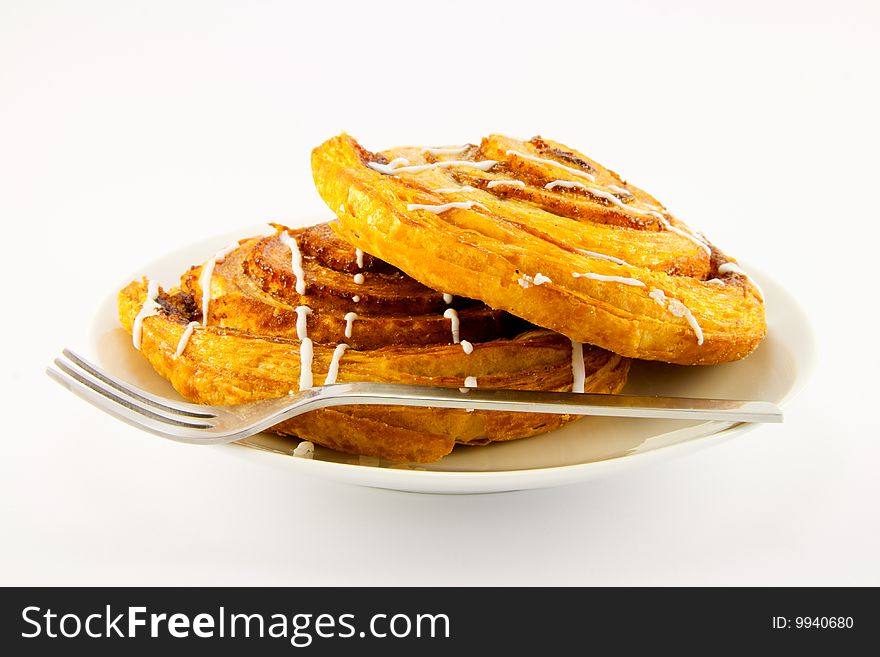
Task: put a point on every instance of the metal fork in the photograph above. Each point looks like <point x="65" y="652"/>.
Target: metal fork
<point x="212" y="425"/>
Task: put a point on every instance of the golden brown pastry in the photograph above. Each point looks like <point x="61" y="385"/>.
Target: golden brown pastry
<point x="547" y="234"/>
<point x="302" y="307"/>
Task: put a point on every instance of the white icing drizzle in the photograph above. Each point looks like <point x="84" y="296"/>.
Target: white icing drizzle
<point x="184" y="339"/>
<point x="732" y="267"/>
<point x="349" y="320"/>
<point x="609" y="279"/>
<point x="437" y="209"/>
<point x="305" y="450"/>
<point x="398" y="162"/>
<point x="359" y="279"/>
<point x="685" y="234"/>
<point x="225" y="251"/>
<point x="602" y="256"/>
<point x="506" y="183"/>
<point x="148" y="309"/>
<point x="295" y="262"/>
<point x="208" y="273"/>
<point x="525" y="280"/>
<point x="620" y="190"/>
<point x="302" y="312"/>
<point x="467" y="346"/>
<point x="659" y="296"/>
<point x="387" y="169"/>
<point x="447" y="298"/>
<point x="333" y="370"/>
<point x="601" y="193"/>
<point x="452" y="190"/>
<point x="470" y="382"/>
<point x="678" y="309"/>
<point x="715" y="281"/>
<point x="616" y="201"/>
<point x="567" y="184"/>
<point x="446" y="150"/>
<point x="451" y="315"/>
<point x="359" y="256"/>
<point x="306" y="354"/>
<point x="356" y="298"/>
<point x="577" y="172"/>
<point x="578" y="374"/>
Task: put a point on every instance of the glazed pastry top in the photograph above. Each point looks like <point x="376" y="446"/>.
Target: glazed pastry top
<point x="549" y="235"/>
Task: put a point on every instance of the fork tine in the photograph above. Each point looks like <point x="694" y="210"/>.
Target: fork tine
<point x="181" y="408"/>
<point x="107" y="400"/>
<point x="99" y="401"/>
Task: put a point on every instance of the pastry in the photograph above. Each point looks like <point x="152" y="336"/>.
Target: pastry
<point x="270" y="315"/>
<point x="545" y="233"/>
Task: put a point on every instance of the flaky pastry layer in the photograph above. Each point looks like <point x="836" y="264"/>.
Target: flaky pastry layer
<point x="543" y="232"/>
<point x="250" y="348"/>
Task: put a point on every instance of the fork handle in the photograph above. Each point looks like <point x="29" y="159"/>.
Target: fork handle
<point x="528" y="401"/>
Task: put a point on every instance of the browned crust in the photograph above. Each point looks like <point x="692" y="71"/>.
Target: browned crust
<point x="482" y="253"/>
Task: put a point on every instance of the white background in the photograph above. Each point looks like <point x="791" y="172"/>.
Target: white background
<point x="130" y="128"/>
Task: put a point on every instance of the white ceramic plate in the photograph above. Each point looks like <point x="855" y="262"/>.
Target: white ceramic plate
<point x="588" y="448"/>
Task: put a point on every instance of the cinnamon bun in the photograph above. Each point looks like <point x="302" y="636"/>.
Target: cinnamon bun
<point x="269" y="315"/>
<point x="544" y="232"/>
